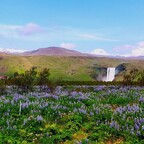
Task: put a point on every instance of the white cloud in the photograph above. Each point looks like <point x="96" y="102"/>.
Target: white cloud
<point x="138" y="51"/>
<point x="17" y="31"/>
<point x="67" y="45"/>
<point x="29" y="29"/>
<point x="141" y="44"/>
<point x="99" y="52"/>
<point x="10" y="50"/>
<point x="8" y="31"/>
<point x="133" y="50"/>
<point x="9" y="27"/>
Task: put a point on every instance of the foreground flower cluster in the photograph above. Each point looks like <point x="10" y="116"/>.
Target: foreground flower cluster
<point x="74" y="114"/>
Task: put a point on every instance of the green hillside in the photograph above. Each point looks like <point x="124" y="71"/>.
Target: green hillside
<point x="66" y="68"/>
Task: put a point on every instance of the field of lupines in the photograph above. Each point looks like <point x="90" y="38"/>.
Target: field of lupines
<point x="73" y="115"/>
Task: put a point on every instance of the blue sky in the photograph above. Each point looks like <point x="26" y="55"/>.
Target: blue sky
<point x="109" y="27"/>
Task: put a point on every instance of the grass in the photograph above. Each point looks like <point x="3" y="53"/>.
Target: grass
<point x="66" y="68"/>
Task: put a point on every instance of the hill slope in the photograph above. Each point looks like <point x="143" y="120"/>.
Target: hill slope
<point x="53" y="51"/>
<point x="67" y="68"/>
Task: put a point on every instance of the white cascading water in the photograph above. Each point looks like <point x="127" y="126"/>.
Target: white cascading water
<point x="110" y="74"/>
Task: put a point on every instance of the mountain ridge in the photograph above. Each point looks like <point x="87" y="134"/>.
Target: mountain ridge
<point x="53" y="51"/>
<point x="60" y="51"/>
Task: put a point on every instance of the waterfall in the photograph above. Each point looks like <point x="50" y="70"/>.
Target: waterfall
<point x="110" y="74"/>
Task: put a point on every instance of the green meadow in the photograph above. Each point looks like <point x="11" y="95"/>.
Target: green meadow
<point x="65" y="68"/>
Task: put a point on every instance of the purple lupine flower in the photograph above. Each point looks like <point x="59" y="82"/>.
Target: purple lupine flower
<point x="138" y="133"/>
<point x="46" y="104"/>
<point x="141" y="99"/>
<point x="113" y="124"/>
<point x="58" y="90"/>
<point x="55" y="97"/>
<point x="82" y="111"/>
<point x="39" y="118"/>
<point x="64" y="108"/>
<point x="17" y="97"/>
<point x="136" y="126"/>
<point x="24" y="105"/>
<point x="141" y="120"/>
<point x="46" y="95"/>
<point x="99" y="88"/>
<point x="74" y="94"/>
<point x="91" y="113"/>
<point x="6" y="101"/>
<point x="75" y="110"/>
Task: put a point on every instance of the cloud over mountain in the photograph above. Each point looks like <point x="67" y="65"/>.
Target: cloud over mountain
<point x="99" y="51"/>
<point x="11" y="50"/>
<point x="131" y="50"/>
<point x="67" y="45"/>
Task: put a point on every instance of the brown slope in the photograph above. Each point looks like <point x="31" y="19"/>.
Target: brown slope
<point x="4" y="54"/>
<point x="53" y="51"/>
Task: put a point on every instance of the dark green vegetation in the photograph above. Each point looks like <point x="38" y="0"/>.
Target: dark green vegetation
<point x="73" y="115"/>
<point x="66" y="68"/>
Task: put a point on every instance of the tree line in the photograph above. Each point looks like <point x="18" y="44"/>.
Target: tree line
<point x="26" y="81"/>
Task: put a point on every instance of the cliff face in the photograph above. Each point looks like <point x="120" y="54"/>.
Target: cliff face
<point x="101" y="72"/>
<point x="120" y="71"/>
<point x="120" y="68"/>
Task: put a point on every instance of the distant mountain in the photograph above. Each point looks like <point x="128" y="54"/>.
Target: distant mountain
<point x="137" y="57"/>
<point x="53" y="51"/>
<point x="127" y="57"/>
<point x="59" y="51"/>
<point x="4" y="54"/>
